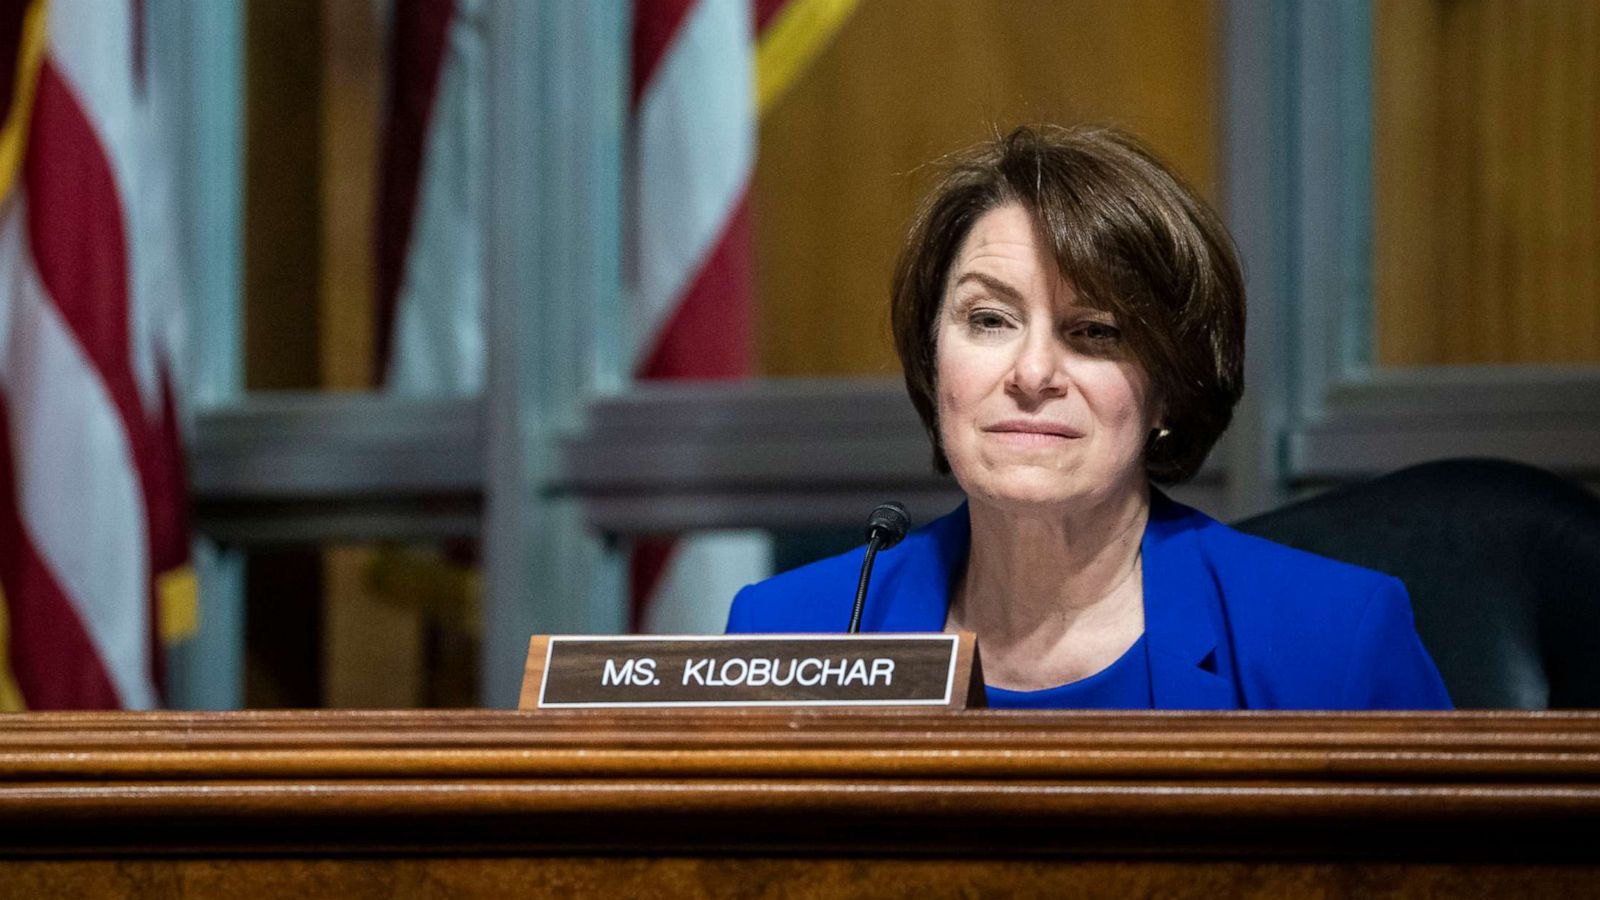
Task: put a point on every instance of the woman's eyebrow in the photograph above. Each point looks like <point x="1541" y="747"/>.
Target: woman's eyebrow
<point x="992" y="283"/>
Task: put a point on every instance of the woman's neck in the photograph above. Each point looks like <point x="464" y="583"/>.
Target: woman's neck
<point x="1053" y="598"/>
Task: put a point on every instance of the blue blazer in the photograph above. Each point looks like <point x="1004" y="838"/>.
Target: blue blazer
<point x="1231" y="621"/>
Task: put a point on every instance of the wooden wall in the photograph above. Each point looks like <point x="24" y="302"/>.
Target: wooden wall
<point x="319" y="632"/>
<point x="283" y="178"/>
<point x="908" y="80"/>
<point x="1487" y="145"/>
<point x="314" y="84"/>
<point x="283" y="250"/>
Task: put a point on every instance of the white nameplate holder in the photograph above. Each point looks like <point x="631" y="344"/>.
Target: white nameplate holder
<point x="752" y="670"/>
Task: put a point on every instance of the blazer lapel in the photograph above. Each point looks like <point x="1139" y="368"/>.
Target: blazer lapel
<point x="918" y="577"/>
<point x="1189" y="662"/>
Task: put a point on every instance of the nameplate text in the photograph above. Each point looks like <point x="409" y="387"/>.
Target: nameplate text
<point x="572" y="672"/>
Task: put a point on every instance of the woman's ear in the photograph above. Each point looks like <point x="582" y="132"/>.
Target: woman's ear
<point x="1158" y="418"/>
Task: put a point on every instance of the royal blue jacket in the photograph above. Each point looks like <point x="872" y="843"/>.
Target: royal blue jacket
<point x="1231" y="621"/>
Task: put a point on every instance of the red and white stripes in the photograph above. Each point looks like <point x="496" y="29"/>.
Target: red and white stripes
<point x="430" y="241"/>
<point x="694" y="137"/>
<point x="694" y="153"/>
<point x="91" y="487"/>
<point x="704" y="71"/>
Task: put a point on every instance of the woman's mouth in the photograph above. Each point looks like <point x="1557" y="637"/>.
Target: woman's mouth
<point x="1032" y="432"/>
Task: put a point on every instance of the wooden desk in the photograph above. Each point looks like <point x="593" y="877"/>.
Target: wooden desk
<point x="899" y="804"/>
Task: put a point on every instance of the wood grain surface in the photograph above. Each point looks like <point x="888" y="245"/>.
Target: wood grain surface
<point x="797" y="803"/>
<point x="1486" y="201"/>
<point x="774" y="878"/>
<point x="1481" y="787"/>
<point x="844" y="154"/>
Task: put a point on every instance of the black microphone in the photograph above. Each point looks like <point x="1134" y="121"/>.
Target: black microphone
<point x="885" y="527"/>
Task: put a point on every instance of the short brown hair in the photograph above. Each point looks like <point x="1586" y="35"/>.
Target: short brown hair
<point x="1129" y="236"/>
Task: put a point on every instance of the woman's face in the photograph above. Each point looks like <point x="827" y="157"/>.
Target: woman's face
<point x="1041" y="406"/>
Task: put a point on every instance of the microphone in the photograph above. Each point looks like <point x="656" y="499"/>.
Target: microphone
<point x="885" y="527"/>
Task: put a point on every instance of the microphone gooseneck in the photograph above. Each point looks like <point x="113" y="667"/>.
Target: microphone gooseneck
<point x="885" y="527"/>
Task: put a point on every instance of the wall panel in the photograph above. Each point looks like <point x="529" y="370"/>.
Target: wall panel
<point x="1486" y="141"/>
<point x="907" y="80"/>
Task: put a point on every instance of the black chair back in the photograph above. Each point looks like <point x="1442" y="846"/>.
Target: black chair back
<point x="1502" y="561"/>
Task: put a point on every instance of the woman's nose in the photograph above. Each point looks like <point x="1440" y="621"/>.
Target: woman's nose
<point x="1037" y="372"/>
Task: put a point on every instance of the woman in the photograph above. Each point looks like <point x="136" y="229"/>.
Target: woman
<point x="1070" y="319"/>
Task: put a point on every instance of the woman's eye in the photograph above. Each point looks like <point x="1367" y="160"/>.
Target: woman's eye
<point x="1098" y="332"/>
<point x="986" y="320"/>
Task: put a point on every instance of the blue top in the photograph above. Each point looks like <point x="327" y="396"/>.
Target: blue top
<point x="1232" y="621"/>
<point x="1125" y="684"/>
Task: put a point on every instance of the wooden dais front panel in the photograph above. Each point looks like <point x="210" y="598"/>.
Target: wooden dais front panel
<point x="793" y="803"/>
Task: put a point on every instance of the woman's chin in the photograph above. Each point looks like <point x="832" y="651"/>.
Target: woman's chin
<point x="1029" y="491"/>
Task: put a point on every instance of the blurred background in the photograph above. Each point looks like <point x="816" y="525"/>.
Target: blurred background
<point x="345" y="344"/>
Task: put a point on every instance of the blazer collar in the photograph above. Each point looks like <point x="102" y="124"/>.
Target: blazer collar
<point x="1189" y="664"/>
<point x="924" y="565"/>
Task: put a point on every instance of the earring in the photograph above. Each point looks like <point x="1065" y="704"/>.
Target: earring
<point x="1162" y="431"/>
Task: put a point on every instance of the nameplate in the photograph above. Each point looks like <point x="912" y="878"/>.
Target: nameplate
<point x="573" y="672"/>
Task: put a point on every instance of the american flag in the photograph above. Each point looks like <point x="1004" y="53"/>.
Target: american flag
<point x="430" y="238"/>
<point x="703" y="72"/>
<point x="93" y="534"/>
